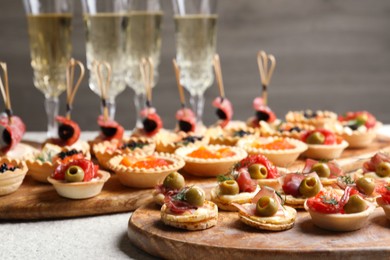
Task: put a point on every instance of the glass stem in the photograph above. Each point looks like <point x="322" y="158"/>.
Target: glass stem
<point x="51" y="107"/>
<point x="139" y="101"/>
<point x="110" y="103"/>
<point x="197" y="103"/>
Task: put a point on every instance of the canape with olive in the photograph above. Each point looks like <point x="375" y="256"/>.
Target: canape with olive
<point x="171" y="184"/>
<point x="188" y="209"/>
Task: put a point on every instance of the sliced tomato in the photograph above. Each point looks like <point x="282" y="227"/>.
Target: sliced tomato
<point x="259" y="159"/>
<point x="384" y="191"/>
<point x="291" y="183"/>
<point x="245" y="183"/>
<point x="89" y="168"/>
<point x="370" y="121"/>
<point x="330" y="137"/>
<point x="329" y="202"/>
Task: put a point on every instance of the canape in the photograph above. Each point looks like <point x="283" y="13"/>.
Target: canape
<point x="144" y="171"/>
<point x="170" y="141"/>
<point x="211" y="160"/>
<point x="318" y="119"/>
<point x="171" y="185"/>
<point x="281" y="151"/>
<point x="78" y="179"/>
<point x="332" y="211"/>
<point x="189" y="210"/>
<point x="12" y="174"/>
<point x="384" y="200"/>
<point x="327" y="171"/>
<point x="266" y="212"/>
<point x="229" y="136"/>
<point x="323" y="144"/>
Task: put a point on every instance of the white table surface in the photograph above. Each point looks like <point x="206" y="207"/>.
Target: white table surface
<point x="98" y="237"/>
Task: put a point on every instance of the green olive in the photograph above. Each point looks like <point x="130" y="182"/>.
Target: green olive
<point x="258" y="171"/>
<point x="355" y="204"/>
<point x="229" y="187"/>
<point x="362" y="118"/>
<point x="309" y="187"/>
<point x="322" y="170"/>
<point x="74" y="174"/>
<point x="174" y="181"/>
<point x="315" y="138"/>
<point x="266" y="207"/>
<point x="383" y="169"/>
<point x="195" y="196"/>
<point x="365" y="185"/>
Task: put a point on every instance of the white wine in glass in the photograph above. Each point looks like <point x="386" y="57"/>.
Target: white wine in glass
<point x="144" y="42"/>
<point x="196" y="30"/>
<point x="50" y="31"/>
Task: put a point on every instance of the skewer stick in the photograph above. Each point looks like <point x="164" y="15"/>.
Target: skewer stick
<point x="179" y="86"/>
<point x="104" y="85"/>
<point x="5" y="91"/>
<point x="218" y="74"/>
<point x="147" y="72"/>
<point x="70" y="88"/>
<point x="264" y="60"/>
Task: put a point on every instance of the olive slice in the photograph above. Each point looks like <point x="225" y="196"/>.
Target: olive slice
<point x="74" y="174"/>
<point x="229" y="187"/>
<point x="309" y="187"/>
<point x="258" y="171"/>
<point x="266" y="207"/>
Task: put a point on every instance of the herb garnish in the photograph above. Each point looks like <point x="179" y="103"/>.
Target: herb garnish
<point x="347" y="179"/>
<point x="331" y="201"/>
<point x="222" y="178"/>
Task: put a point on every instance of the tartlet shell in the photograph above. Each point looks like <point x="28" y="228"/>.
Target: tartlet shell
<point x="141" y="177"/>
<point x="280" y="158"/>
<point x="385" y="206"/>
<point x="210" y="167"/>
<point x="223" y="136"/>
<point x="171" y="142"/>
<point x="327" y="121"/>
<point x="340" y="222"/>
<point x="359" y="139"/>
<point x="10" y="181"/>
<point x="325" y="152"/>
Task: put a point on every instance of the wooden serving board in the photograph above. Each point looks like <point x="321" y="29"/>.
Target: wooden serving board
<point x="34" y="200"/>
<point x="232" y="239"/>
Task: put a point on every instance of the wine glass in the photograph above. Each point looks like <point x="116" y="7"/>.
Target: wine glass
<point x="196" y="29"/>
<point x="106" y="26"/>
<point x="50" y="30"/>
<point x="144" y="42"/>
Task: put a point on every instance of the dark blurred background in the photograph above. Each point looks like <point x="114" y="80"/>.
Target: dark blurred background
<point x="331" y="54"/>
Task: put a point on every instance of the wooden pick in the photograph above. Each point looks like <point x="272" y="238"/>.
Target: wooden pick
<point x="179" y="86"/>
<point x="218" y="74"/>
<point x="103" y="85"/>
<point x="147" y="72"/>
<point x="264" y="60"/>
<point x="70" y="88"/>
<point x="4" y="88"/>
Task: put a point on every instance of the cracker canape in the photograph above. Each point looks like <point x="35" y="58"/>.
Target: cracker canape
<point x="78" y="179"/>
<point x="144" y="171"/>
<point x="189" y="210"/>
<point x="323" y="144"/>
<point x="266" y="212"/>
<point x="171" y="185"/>
<point x="281" y="151"/>
<point x="378" y="167"/>
<point x="328" y="171"/>
<point x="359" y="128"/>
<point x="334" y="211"/>
<point x="12" y="174"/>
<point x="211" y="160"/>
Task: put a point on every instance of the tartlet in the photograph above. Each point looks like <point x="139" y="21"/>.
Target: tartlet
<point x="318" y="119"/>
<point x="80" y="190"/>
<point x="281" y="151"/>
<point x="384" y="200"/>
<point x="104" y="151"/>
<point x="11" y="179"/>
<point x="323" y="144"/>
<point x="42" y="165"/>
<point x="335" y="219"/>
<point x="229" y="136"/>
<point x="170" y="141"/>
<point x="206" y="166"/>
<point x="285" y="129"/>
<point x="144" y="177"/>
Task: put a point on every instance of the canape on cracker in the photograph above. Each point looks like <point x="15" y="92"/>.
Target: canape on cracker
<point x="266" y="212"/>
<point x="189" y="210"/>
<point x="171" y="185"/>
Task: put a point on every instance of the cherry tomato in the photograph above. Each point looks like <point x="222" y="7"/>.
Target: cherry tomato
<point x="245" y="183"/>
